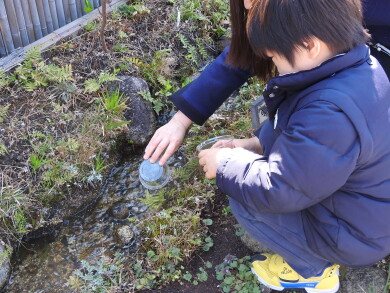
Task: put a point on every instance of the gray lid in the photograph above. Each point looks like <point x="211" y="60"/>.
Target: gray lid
<point x="150" y="172"/>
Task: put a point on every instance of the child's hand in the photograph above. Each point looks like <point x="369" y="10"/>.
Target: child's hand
<point x="210" y="158"/>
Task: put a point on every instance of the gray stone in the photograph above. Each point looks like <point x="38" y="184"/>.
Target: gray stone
<point x="364" y="280"/>
<point x="5" y="263"/>
<point x="139" y="111"/>
<point x="253" y="244"/>
<point x="119" y="210"/>
<point x="124" y="235"/>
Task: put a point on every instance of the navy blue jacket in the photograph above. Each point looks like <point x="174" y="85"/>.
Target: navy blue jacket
<point x="326" y="152"/>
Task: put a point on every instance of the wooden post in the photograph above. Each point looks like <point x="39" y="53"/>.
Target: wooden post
<point x="21" y="23"/>
<point x="82" y="7"/>
<point x="28" y="20"/>
<point x="48" y="18"/>
<point x="60" y="13"/>
<point x="38" y="4"/>
<point x="3" y="51"/>
<point x="5" y="29"/>
<point x="73" y="9"/>
<point x="35" y="19"/>
<point x="67" y="11"/>
<point x="13" y="23"/>
<point x="79" y="8"/>
<point x="53" y="13"/>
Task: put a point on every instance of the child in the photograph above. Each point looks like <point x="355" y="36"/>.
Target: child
<point x="319" y="193"/>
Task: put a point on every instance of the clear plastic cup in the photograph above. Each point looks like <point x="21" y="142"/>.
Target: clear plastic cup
<point x="153" y="176"/>
<point x="208" y="143"/>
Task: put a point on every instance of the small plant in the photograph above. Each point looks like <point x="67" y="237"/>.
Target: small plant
<point x="98" y="277"/>
<point x="13" y="206"/>
<point x="3" y="148"/>
<point x="37" y="161"/>
<point x="3" y="112"/>
<point x="93" y="85"/>
<point x="157" y="103"/>
<point x="34" y="73"/>
<point x="99" y="164"/>
<point x="113" y="102"/>
<point x="88" y="7"/>
<point x="133" y="10"/>
<point x="236" y="276"/>
<point x="4" y="79"/>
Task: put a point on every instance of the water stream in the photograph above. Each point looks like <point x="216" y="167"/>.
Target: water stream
<point x="46" y="264"/>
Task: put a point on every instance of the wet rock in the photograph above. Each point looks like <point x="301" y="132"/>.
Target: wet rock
<point x="119" y="211"/>
<point x="363" y="280"/>
<point x="253" y="244"/>
<point x="124" y="235"/>
<point x="5" y="264"/>
<point x="139" y="111"/>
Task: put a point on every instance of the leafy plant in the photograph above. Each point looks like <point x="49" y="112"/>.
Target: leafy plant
<point x="14" y="205"/>
<point x="113" y="102"/>
<point x="4" y="79"/>
<point x="93" y="85"/>
<point x="88" y="7"/>
<point x="3" y="112"/>
<point x="34" y="73"/>
<point x="236" y="276"/>
<point x="133" y="10"/>
<point x="36" y="162"/>
<point x="157" y="103"/>
<point x="3" y="148"/>
<point x="97" y="277"/>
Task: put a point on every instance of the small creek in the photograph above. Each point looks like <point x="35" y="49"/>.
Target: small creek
<point x="46" y="264"/>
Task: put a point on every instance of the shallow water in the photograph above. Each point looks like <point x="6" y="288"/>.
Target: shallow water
<point x="46" y="264"/>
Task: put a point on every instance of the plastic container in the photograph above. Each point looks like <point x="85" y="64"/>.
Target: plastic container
<point x="208" y="143"/>
<point x="153" y="176"/>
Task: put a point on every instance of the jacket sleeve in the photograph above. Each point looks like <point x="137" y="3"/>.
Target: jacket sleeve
<point x="308" y="162"/>
<point x="200" y="98"/>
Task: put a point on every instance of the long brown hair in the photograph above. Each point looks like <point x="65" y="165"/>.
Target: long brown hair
<point x="241" y="53"/>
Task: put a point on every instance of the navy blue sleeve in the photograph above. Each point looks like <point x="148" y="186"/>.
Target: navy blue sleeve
<point x="199" y="99"/>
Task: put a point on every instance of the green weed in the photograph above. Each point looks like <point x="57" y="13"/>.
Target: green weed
<point x="236" y="276"/>
<point x="114" y="102"/>
<point x="37" y="161"/>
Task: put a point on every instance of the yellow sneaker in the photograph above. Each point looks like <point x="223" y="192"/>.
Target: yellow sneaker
<point x="275" y="273"/>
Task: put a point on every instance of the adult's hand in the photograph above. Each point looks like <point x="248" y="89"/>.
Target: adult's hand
<point x="167" y="139"/>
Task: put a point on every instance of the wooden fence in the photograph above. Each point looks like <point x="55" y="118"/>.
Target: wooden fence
<point x="23" y="22"/>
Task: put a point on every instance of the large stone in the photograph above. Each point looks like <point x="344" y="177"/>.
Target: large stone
<point x="364" y="280"/>
<point x="124" y="235"/>
<point x="5" y="263"/>
<point x="253" y="244"/>
<point x="139" y="111"/>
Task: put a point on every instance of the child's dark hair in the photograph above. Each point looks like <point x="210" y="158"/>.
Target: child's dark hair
<point x="283" y="26"/>
<point x="241" y="53"/>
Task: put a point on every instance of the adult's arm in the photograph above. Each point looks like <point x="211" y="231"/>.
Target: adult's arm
<point x="202" y="97"/>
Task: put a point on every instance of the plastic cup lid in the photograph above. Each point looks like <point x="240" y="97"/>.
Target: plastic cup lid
<point x="149" y="171"/>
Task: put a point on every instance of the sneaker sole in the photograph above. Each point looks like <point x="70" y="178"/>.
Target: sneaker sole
<point x="308" y="290"/>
